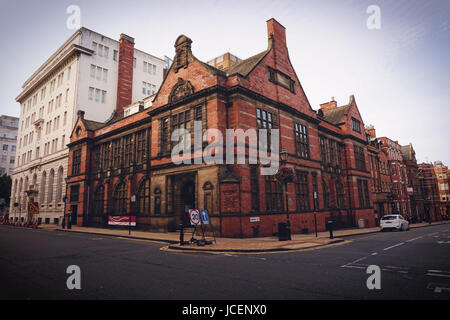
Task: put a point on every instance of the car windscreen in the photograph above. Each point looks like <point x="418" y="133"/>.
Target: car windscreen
<point x="389" y="218"/>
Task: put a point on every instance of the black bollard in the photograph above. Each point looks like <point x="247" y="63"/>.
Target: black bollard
<point x="181" y="235"/>
<point x="330" y="228"/>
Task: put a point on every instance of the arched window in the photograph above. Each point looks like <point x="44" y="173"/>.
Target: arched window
<point x="144" y="198"/>
<point x="340" y="195"/>
<point x="208" y="197"/>
<point x="120" y="199"/>
<point x="43" y="185"/>
<point x="51" y="180"/>
<point x="99" y="201"/>
<point x="326" y="195"/>
<point x="59" y="184"/>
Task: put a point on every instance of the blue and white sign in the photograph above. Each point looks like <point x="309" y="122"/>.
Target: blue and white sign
<point x="204" y="215"/>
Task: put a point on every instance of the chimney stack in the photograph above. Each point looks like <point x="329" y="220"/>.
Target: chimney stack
<point x="125" y="72"/>
<point x="329" y="105"/>
<point x="277" y="34"/>
<point x="371" y="130"/>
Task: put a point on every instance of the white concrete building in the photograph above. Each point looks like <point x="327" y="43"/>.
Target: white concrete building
<point x="83" y="74"/>
<point x="8" y="143"/>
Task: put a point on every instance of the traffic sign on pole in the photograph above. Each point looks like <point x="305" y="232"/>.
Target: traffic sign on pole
<point x="194" y="217"/>
<point x="204" y="216"/>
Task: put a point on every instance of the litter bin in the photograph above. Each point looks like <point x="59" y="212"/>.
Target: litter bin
<point x="282" y="231"/>
<point x="361" y="223"/>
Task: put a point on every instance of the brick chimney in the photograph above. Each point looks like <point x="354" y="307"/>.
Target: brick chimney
<point x="277" y="34"/>
<point x="371" y="130"/>
<point x="329" y="105"/>
<point x="125" y="73"/>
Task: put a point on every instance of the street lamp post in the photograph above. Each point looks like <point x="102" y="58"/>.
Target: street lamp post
<point x="283" y="157"/>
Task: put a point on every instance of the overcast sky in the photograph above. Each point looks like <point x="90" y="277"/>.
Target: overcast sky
<point x="399" y="74"/>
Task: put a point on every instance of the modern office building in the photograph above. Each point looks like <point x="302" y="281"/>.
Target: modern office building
<point x="90" y="72"/>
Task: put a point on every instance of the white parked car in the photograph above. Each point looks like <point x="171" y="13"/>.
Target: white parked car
<point x="394" y="221"/>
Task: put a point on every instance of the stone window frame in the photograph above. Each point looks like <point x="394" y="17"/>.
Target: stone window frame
<point x="98" y="200"/>
<point x="356" y="125"/>
<point x="120" y="199"/>
<point x="301" y="137"/>
<point x="208" y="188"/>
<point x="274" y="195"/>
<point x="157" y="201"/>
<point x="275" y="75"/>
<point x="76" y="162"/>
<point x="144" y="200"/>
<point x="360" y="158"/>
<point x="302" y="191"/>
<point x="166" y="126"/>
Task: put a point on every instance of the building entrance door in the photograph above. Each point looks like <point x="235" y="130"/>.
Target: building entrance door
<point x="184" y="198"/>
<point x="74" y="214"/>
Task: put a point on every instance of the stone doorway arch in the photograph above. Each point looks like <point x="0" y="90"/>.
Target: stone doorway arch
<point x="185" y="197"/>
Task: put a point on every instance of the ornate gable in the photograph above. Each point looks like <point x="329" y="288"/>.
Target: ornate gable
<point x="183" y="53"/>
<point x="180" y="90"/>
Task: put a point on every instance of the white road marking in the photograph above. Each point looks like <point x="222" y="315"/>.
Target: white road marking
<point x="432" y="234"/>
<point x="398" y="244"/>
<point x="355" y="267"/>
<point x="257" y="258"/>
<point x="438" y="275"/>
<point x="354" y="262"/>
<point x="411" y="240"/>
<point x="438" y="287"/>
<point x="439" y="271"/>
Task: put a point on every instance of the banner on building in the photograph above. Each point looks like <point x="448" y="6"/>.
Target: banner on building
<point x="410" y="191"/>
<point x="122" y="220"/>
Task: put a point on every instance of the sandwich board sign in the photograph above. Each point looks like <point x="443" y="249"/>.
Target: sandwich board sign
<point x="204" y="216"/>
<point x="194" y="217"/>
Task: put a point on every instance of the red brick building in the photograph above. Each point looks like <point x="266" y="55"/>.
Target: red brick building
<point x="413" y="187"/>
<point x="429" y="184"/>
<point x="400" y="199"/>
<point x="381" y="175"/>
<point x="124" y="166"/>
<point x="442" y="175"/>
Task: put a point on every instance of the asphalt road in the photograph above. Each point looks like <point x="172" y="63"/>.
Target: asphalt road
<point x="414" y="264"/>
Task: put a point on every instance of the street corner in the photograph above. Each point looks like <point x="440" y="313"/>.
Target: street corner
<point x="257" y="247"/>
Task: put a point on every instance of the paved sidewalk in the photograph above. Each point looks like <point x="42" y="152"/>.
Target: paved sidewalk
<point x="261" y="244"/>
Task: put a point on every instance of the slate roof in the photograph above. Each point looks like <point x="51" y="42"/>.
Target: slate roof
<point x="93" y="125"/>
<point x="337" y="115"/>
<point x="245" y="66"/>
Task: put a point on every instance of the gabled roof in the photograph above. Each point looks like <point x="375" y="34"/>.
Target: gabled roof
<point x="245" y="66"/>
<point x="93" y="125"/>
<point x="336" y="116"/>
